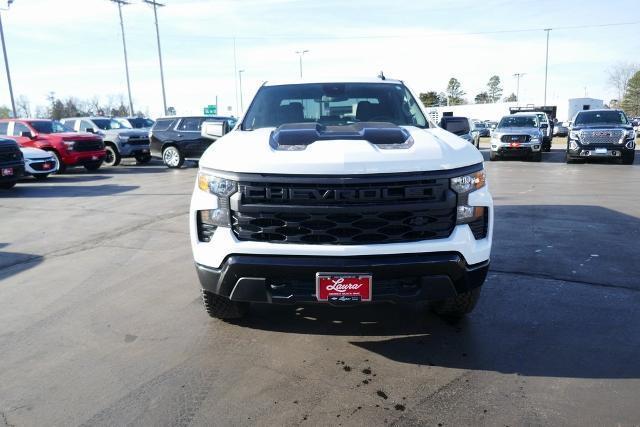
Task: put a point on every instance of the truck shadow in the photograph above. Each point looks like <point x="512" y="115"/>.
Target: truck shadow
<point x="12" y="263"/>
<point x="565" y="308"/>
<point x="50" y="191"/>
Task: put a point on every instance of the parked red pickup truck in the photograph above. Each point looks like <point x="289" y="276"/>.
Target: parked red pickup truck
<point x="70" y="148"/>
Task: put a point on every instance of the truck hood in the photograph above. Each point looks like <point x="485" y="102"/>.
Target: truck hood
<point x="517" y="131"/>
<point x="35" y="153"/>
<point x="250" y="152"/>
<point x="126" y="132"/>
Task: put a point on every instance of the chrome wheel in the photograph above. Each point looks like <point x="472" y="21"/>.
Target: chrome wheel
<point x="172" y="157"/>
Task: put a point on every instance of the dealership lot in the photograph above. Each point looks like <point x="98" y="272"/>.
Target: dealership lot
<point x="101" y="321"/>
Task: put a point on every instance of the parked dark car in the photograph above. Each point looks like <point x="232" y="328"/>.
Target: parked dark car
<point x="483" y="129"/>
<point x="462" y="127"/>
<point x="604" y="134"/>
<point x="176" y="139"/>
<point x="560" y="129"/>
<point x="11" y="163"/>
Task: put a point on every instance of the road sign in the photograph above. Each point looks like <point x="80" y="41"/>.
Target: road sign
<point x="210" y="110"/>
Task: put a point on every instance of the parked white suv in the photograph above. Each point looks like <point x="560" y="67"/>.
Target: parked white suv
<point x="339" y="192"/>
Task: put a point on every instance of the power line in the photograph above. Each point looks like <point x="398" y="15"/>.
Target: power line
<point x="414" y="35"/>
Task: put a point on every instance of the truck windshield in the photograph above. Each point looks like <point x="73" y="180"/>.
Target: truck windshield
<point x="333" y="104"/>
<point x="107" y="124"/>
<point x="49" y="126"/>
<point x="140" y="122"/>
<point x="601" y="117"/>
<point x="519" y="122"/>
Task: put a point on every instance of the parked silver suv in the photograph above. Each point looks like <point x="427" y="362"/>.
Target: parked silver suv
<point x="120" y="140"/>
<point x="517" y="135"/>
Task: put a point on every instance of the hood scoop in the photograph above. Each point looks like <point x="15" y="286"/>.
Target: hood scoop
<point x="298" y="136"/>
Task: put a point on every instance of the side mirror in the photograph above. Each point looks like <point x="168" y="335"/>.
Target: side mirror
<point x="214" y="130"/>
<point x="544" y="126"/>
<point x="90" y="130"/>
<point x="27" y="134"/>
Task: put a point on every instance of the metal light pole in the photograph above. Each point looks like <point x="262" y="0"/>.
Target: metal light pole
<point x="6" y="62"/>
<point x="546" y="67"/>
<point x="155" y="5"/>
<point x="235" y="73"/>
<point x="124" y="45"/>
<point x="517" y="76"/>
<point x="301" y="54"/>
<point x="240" y="80"/>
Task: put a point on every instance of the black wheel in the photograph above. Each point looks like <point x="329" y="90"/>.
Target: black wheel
<point x="41" y="176"/>
<point x="172" y="157"/>
<point x="7" y="185"/>
<point x="628" y="158"/>
<point x="536" y="157"/>
<point x="458" y="306"/>
<point x="143" y="159"/>
<point x="223" y="308"/>
<point x="494" y="156"/>
<point x="62" y="168"/>
<point x="112" y="158"/>
<point x="93" y="166"/>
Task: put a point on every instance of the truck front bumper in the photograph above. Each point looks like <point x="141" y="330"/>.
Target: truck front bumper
<point x="291" y="279"/>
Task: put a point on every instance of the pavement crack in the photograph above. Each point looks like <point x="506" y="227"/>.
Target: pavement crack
<point x="3" y="419"/>
<point x="563" y="279"/>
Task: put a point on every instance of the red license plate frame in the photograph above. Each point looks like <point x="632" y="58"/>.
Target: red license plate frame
<point x="344" y="287"/>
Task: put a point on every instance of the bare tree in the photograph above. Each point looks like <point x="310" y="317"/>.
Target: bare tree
<point x="619" y="75"/>
<point x="23" y="106"/>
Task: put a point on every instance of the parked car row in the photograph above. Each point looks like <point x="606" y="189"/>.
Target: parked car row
<point x="591" y="134"/>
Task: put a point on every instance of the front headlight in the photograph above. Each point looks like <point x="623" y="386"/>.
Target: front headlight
<point x="69" y="144"/>
<point x="217" y="186"/>
<point x="465" y="185"/>
<point x="574" y="134"/>
<point x="222" y="188"/>
<point x="123" y="138"/>
<point x="631" y="134"/>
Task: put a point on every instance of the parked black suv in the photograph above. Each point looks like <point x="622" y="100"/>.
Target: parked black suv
<point x="601" y="134"/>
<point x="11" y="163"/>
<point x="176" y="139"/>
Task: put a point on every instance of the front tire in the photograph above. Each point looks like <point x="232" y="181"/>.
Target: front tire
<point x="112" y="158"/>
<point x="7" y="185"/>
<point x="93" y="166"/>
<point x="220" y="307"/>
<point x="458" y="306"/>
<point x="62" y="168"/>
<point x="628" y="158"/>
<point x="172" y="157"/>
<point x="143" y="159"/>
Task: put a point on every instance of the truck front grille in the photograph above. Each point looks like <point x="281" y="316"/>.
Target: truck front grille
<point x="138" y="141"/>
<point x="516" y="138"/>
<point x="340" y="213"/>
<point x="612" y="136"/>
<point x="88" y="145"/>
<point x="9" y="154"/>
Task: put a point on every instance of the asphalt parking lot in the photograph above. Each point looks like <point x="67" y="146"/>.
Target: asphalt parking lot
<point x="101" y="321"/>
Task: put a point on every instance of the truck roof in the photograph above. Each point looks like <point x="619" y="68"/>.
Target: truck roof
<point x="333" y="80"/>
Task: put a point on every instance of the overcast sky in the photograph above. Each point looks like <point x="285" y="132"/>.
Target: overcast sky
<point x="74" y="47"/>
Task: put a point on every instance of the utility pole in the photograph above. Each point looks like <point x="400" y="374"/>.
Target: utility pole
<point x="6" y="62"/>
<point x="124" y="45"/>
<point x="240" y="80"/>
<point x="301" y="54"/>
<point x="517" y="76"/>
<point x="235" y="73"/>
<point x="155" y="5"/>
<point x="546" y="67"/>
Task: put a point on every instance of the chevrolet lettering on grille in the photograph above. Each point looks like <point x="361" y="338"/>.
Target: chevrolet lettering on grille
<point x="261" y="193"/>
